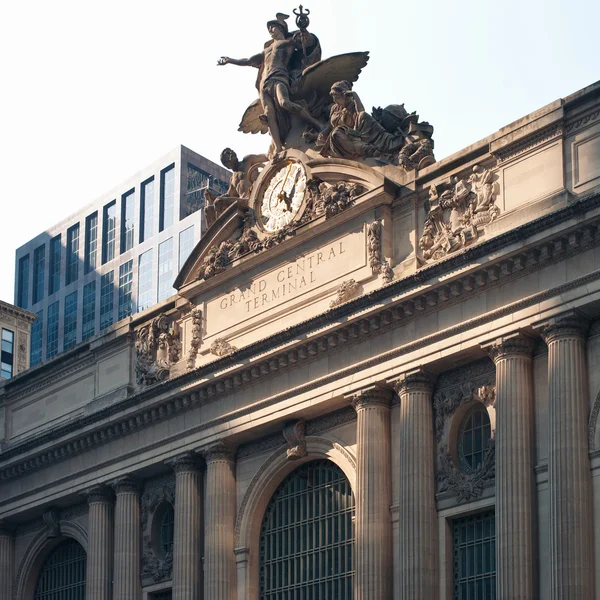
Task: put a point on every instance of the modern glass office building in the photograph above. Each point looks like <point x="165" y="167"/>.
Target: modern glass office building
<point x="117" y="256"/>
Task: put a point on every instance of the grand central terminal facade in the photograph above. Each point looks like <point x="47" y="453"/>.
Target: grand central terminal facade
<point x="376" y="380"/>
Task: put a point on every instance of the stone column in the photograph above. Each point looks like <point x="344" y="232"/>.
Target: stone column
<point x="100" y="553"/>
<point x="569" y="478"/>
<point x="219" y="557"/>
<point x="418" y="553"/>
<point x="373" y="544"/>
<point x="127" y="584"/>
<point x="7" y="562"/>
<point x="514" y="467"/>
<point x="187" y="568"/>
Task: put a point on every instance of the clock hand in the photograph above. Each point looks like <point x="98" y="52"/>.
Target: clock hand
<point x="292" y="192"/>
<point x="282" y="194"/>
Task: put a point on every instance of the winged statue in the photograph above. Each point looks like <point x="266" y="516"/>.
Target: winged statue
<point x="293" y="80"/>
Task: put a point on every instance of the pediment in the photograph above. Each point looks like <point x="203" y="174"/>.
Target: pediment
<point x="330" y="187"/>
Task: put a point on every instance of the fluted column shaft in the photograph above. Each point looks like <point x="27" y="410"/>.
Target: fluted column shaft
<point x="418" y="551"/>
<point x="99" y="576"/>
<point x="219" y="558"/>
<point x="187" y="535"/>
<point x="373" y="545"/>
<point x="127" y="585"/>
<point x="7" y="563"/>
<point x="514" y="467"/>
<point x="569" y="478"/>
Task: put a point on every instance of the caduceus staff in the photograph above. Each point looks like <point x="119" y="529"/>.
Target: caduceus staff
<point x="302" y="22"/>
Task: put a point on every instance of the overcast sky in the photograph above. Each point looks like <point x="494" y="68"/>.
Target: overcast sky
<point x="93" y="91"/>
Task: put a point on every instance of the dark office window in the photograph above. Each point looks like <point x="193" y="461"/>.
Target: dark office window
<point x="167" y="198"/>
<point x="70" y="325"/>
<point x="7" y="354"/>
<point x="37" y="330"/>
<point x="186" y="244"/>
<point x="165" y="269"/>
<point x="125" y="289"/>
<point x="145" y="289"/>
<point x="55" y="252"/>
<point x="107" y="282"/>
<point x="52" y="331"/>
<point x="147" y="210"/>
<point x="475" y="557"/>
<point x="91" y="242"/>
<point x="88" y="320"/>
<point x="127" y="221"/>
<point x="108" y="234"/>
<point x="72" y="254"/>
<point x="39" y="264"/>
<point x="23" y="285"/>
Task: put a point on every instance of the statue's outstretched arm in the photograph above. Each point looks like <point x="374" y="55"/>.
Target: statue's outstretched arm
<point x="253" y="61"/>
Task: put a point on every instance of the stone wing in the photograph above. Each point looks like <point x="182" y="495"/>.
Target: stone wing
<point x="323" y="74"/>
<point x="250" y="121"/>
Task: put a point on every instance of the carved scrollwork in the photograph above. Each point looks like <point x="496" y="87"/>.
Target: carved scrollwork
<point x="157" y="568"/>
<point x="459" y="214"/>
<point x="466" y="486"/>
<point x="157" y="348"/>
<point x="221" y="347"/>
<point x="196" y="338"/>
<point x="294" y="434"/>
<point x="51" y="520"/>
<point x="345" y="292"/>
<point x="330" y="199"/>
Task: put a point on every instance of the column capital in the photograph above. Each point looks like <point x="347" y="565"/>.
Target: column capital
<point x="219" y="452"/>
<point x="6" y="530"/>
<point x="98" y="493"/>
<point x="184" y="463"/>
<point x="509" y="345"/>
<point x="376" y="395"/>
<point x="570" y="324"/>
<point x="127" y="484"/>
<point x="415" y="380"/>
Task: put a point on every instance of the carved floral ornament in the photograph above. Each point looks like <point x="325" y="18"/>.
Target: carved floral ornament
<point x="294" y="434"/>
<point x="157" y="349"/>
<point x="377" y="260"/>
<point x="451" y="477"/>
<point x="458" y="213"/>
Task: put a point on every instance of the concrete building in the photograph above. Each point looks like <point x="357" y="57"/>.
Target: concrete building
<point x="117" y="256"/>
<point x="393" y="396"/>
<point x="15" y="325"/>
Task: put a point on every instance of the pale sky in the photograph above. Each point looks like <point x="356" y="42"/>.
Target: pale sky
<point x="93" y="91"/>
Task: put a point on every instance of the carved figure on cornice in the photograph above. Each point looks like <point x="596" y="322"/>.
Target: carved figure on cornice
<point x="345" y="292"/>
<point x="157" y="348"/>
<point x="221" y="347"/>
<point x="294" y="434"/>
<point x="459" y="214"/>
<point x="466" y="486"/>
<point x="196" y="338"/>
<point x="245" y="173"/>
<point x="292" y="79"/>
<point x="330" y="199"/>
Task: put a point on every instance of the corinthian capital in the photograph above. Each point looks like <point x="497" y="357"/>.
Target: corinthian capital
<point x="219" y="452"/>
<point x="569" y="324"/>
<point x="412" y="381"/>
<point x="128" y="484"/>
<point x="98" y="493"/>
<point x="376" y="395"/>
<point x="509" y="345"/>
<point x="184" y="463"/>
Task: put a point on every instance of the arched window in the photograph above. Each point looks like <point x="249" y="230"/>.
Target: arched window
<point x="63" y="574"/>
<point x="167" y="530"/>
<point x="474" y="438"/>
<point x="307" y="536"/>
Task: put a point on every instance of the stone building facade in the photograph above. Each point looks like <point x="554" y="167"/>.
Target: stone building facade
<point x="15" y="331"/>
<point x="395" y="395"/>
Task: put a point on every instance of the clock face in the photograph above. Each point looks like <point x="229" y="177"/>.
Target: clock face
<point x="283" y="197"/>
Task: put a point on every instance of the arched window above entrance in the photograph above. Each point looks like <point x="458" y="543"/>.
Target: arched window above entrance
<point x="307" y="536"/>
<point x="63" y="573"/>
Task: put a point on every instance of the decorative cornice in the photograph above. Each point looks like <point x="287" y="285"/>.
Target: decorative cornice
<point x="507" y="346"/>
<point x="185" y="463"/>
<point x="582" y="121"/>
<point x="128" y="484"/>
<point x="419" y="380"/>
<point x="536" y="139"/>
<point x="98" y="494"/>
<point x="548" y="252"/>
<point x="375" y="396"/>
<point x="567" y="325"/>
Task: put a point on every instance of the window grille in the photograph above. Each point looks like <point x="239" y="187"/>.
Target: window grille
<point x="475" y="557"/>
<point x="167" y="531"/>
<point x="474" y="439"/>
<point x="307" y="537"/>
<point x="62" y="576"/>
<point x="164" y="595"/>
